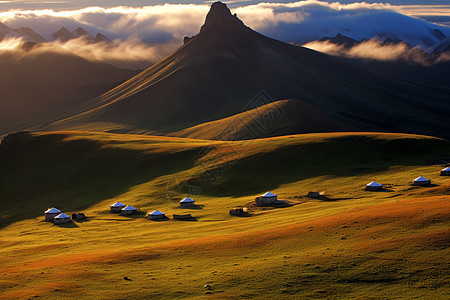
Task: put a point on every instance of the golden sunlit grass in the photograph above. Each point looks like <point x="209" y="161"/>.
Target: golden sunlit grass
<point x="354" y="244"/>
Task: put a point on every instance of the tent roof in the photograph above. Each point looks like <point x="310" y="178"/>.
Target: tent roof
<point x="156" y="213"/>
<point x="52" y="211"/>
<point x="374" y="183"/>
<point x="62" y="216"/>
<point x="446" y="169"/>
<point x="420" y="178"/>
<point x="268" y="194"/>
<point x="129" y="207"/>
<point x="187" y="200"/>
<point x="118" y="204"/>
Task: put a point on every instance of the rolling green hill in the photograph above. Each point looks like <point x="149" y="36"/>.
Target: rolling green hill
<point x="350" y="244"/>
<point x="274" y="119"/>
<point x="80" y="169"/>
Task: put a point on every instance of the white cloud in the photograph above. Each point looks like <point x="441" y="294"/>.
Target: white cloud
<point x="375" y="50"/>
<point x="151" y="32"/>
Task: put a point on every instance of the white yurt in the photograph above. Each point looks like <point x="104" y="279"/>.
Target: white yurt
<point x="117" y="207"/>
<point x="51" y="213"/>
<point x="421" y="181"/>
<point x="187" y="202"/>
<point x="445" y="172"/>
<point x="267" y="198"/>
<point x="156" y="214"/>
<point x="128" y="210"/>
<point x="374" y="186"/>
<point x="61" y="218"/>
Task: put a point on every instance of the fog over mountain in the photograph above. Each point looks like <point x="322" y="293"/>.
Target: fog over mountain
<point x="161" y="28"/>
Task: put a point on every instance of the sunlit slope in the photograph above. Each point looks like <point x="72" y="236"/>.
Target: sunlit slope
<point x="79" y="169"/>
<point x="371" y="250"/>
<point x="228" y="68"/>
<point x="274" y="119"/>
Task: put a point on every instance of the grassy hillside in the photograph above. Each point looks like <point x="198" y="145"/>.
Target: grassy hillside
<point x="353" y="243"/>
<point x="274" y="119"/>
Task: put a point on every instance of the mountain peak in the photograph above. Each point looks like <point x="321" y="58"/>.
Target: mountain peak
<point x="220" y="15"/>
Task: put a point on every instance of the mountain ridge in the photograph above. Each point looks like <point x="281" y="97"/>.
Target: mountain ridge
<point x="219" y="71"/>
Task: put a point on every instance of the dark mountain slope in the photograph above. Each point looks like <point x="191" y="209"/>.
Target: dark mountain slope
<point x="221" y="71"/>
<point x="39" y="86"/>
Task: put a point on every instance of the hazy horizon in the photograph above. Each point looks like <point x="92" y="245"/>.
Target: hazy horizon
<point x="6" y="5"/>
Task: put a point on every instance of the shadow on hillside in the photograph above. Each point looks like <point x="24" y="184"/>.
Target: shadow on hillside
<point x="191" y="219"/>
<point x="82" y="220"/>
<point x="134" y="216"/>
<point x="243" y="215"/>
<point x="348" y="156"/>
<point x="325" y="198"/>
<point x="195" y="206"/>
<point x="72" y="175"/>
<point x="69" y="224"/>
<point x="160" y="220"/>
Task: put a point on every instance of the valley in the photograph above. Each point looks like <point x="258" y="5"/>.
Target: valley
<point x="355" y="243"/>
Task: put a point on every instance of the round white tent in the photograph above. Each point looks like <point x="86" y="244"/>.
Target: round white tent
<point x="374" y="186"/>
<point x="51" y="213"/>
<point x="117" y="207"/>
<point x="156" y="214"/>
<point x="128" y="210"/>
<point x="421" y="181"/>
<point x="445" y="172"/>
<point x="267" y="198"/>
<point x="61" y="218"/>
<point x="186" y="202"/>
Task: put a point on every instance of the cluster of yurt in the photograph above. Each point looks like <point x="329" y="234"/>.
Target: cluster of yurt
<point x="56" y="216"/>
<point x="122" y="209"/>
<point x="266" y="199"/>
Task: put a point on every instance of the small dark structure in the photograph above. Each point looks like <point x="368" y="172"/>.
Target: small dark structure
<point x="445" y="172"/>
<point x="374" y="186"/>
<point x="117" y="207"/>
<point x="314" y="195"/>
<point x="155" y="215"/>
<point x="238" y="211"/>
<point x="78" y="216"/>
<point x="421" y="181"/>
<point x="51" y="213"/>
<point x="182" y="217"/>
<point x="61" y="218"/>
<point x="266" y="199"/>
<point x="187" y="203"/>
<point x="128" y="210"/>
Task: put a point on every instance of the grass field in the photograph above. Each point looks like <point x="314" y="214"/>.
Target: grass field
<point x="354" y="244"/>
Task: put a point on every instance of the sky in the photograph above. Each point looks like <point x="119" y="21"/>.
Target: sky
<point x="6" y="5"/>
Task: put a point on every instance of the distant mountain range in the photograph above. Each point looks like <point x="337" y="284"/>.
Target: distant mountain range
<point x="228" y="69"/>
<point x="348" y="42"/>
<point x="63" y="35"/>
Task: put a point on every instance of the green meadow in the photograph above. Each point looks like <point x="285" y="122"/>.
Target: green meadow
<point x="349" y="244"/>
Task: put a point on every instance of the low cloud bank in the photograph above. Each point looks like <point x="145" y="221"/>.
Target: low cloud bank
<point x="376" y="50"/>
<point x="129" y="54"/>
<point x="144" y="35"/>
